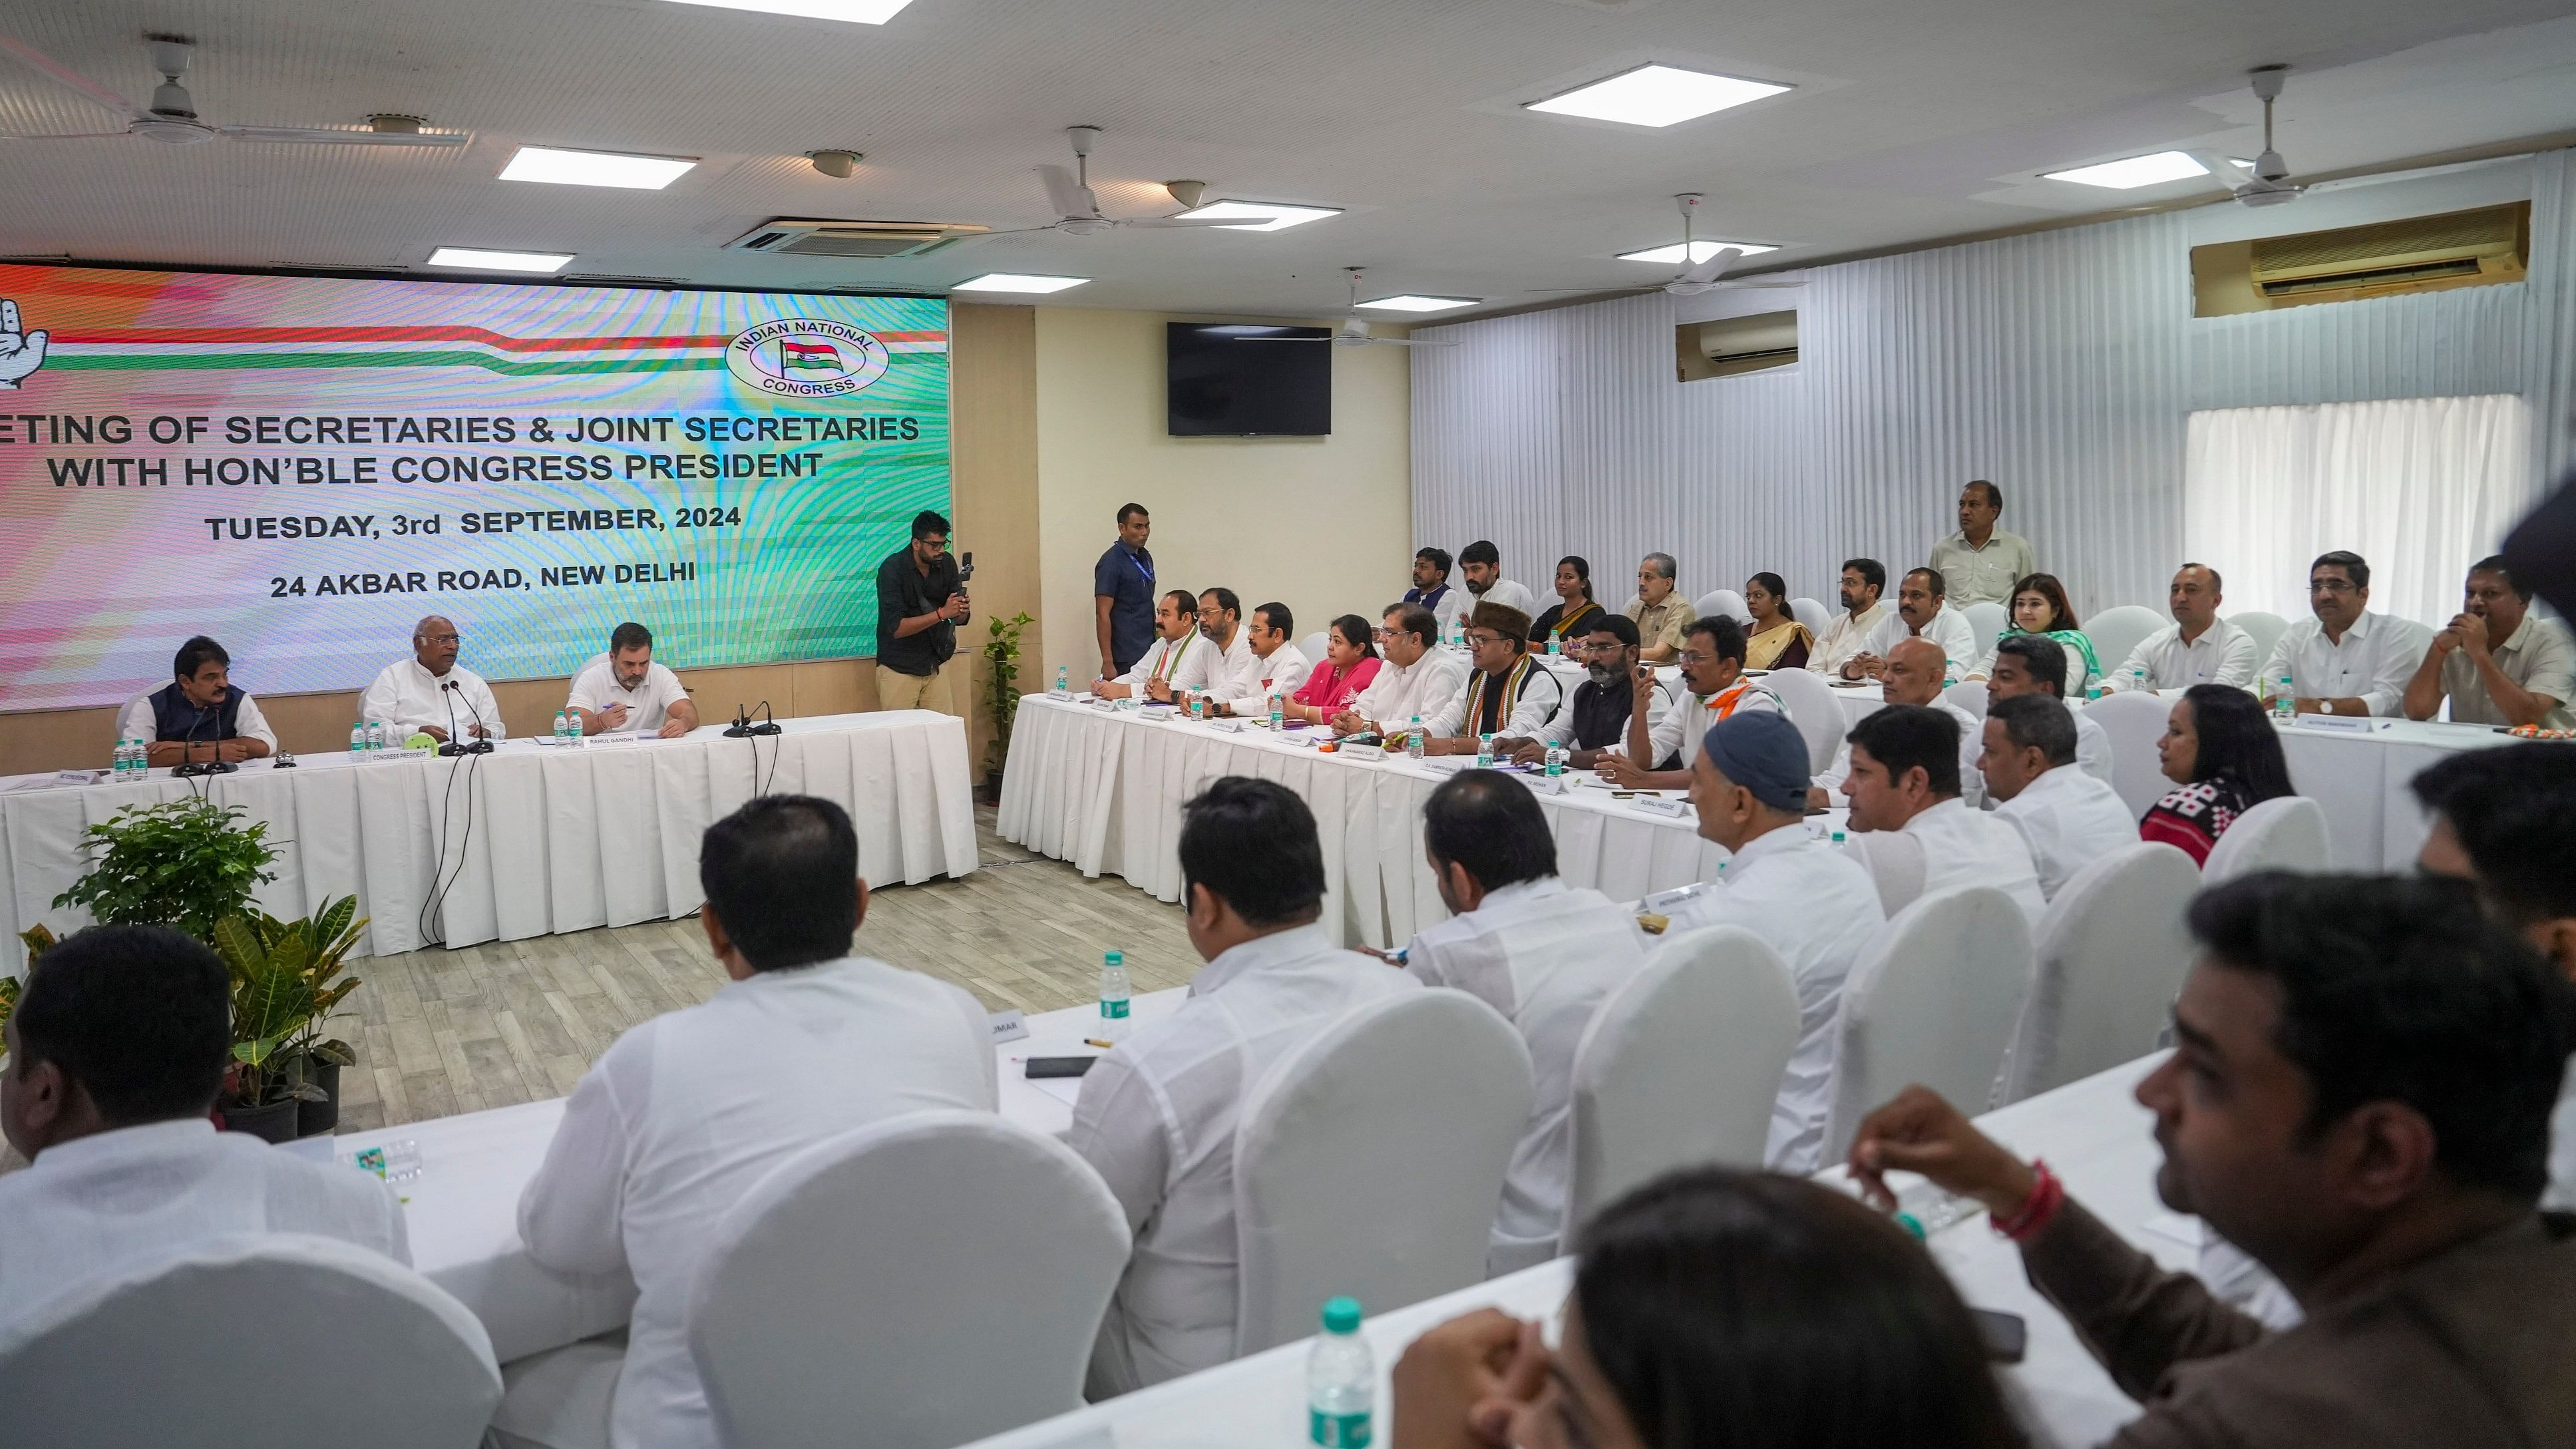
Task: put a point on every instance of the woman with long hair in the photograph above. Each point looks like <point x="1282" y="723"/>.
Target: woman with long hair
<point x="1715" y="1306"/>
<point x="2224" y="757"/>
<point x="1350" y="662"/>
<point x="2039" y="607"/>
<point x="1777" y="640"/>
<point x="1570" y="617"/>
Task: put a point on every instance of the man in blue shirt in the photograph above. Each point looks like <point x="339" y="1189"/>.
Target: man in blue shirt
<point x="1122" y="590"/>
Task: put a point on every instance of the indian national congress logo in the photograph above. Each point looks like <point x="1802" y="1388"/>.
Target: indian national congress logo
<point x="806" y="357"/>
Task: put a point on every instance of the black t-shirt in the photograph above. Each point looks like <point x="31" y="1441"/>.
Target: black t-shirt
<point x="904" y="592"/>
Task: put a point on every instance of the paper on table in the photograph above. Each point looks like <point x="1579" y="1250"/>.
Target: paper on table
<point x="1067" y="1090"/>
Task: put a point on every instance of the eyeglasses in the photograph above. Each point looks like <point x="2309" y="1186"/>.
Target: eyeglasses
<point x="2331" y="586"/>
<point x="442" y="638"/>
<point x="1691" y="657"/>
<point x="1479" y="638"/>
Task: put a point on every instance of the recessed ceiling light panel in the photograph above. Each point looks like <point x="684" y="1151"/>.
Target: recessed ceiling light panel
<point x="1656" y="95"/>
<point x="1700" y="251"/>
<point x="2134" y="171"/>
<point x="478" y="259"/>
<point x="1017" y="282"/>
<point x="1409" y="302"/>
<point x="559" y="167"/>
<point x="862" y="12"/>
<point x="1260" y="215"/>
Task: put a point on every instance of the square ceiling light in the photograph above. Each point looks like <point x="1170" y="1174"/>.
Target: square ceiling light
<point x="1656" y="95"/>
<point x="1700" y="251"/>
<point x="1017" y="282"/>
<point x="2135" y="171"/>
<point x="559" y="167"/>
<point x="1259" y="215"/>
<point x="1409" y="302"/>
<point x="480" y="260"/>
<point x="862" y="12"/>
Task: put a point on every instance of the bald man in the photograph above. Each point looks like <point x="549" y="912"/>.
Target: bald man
<point x="1912" y="675"/>
<point x="431" y="694"/>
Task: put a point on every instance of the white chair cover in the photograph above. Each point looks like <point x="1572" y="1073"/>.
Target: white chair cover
<point x="2287" y="833"/>
<point x="251" y="1339"/>
<point x="1967" y="694"/>
<point x="2111" y="955"/>
<point x="2263" y="628"/>
<point x="1986" y="620"/>
<point x="1814" y="615"/>
<point x="918" y="1283"/>
<point x="1370" y="1161"/>
<point x="2134" y="722"/>
<point x="1679" y="1067"/>
<point x="1933" y="999"/>
<point x="2120" y="629"/>
<point x="1813" y="709"/>
<point x="1312" y="646"/>
<point x="1723" y="601"/>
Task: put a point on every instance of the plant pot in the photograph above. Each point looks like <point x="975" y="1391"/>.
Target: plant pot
<point x="989" y="790"/>
<point x="320" y="1119"/>
<point x="272" y="1123"/>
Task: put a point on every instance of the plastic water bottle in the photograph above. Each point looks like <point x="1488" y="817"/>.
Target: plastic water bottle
<point x="1485" y="750"/>
<point x="1113" y="995"/>
<point x="1413" y="740"/>
<point x="120" y="768"/>
<point x="2093" y="691"/>
<point x="1341" y="1380"/>
<point x="358" y="738"/>
<point x="1839" y="840"/>
<point x="1555" y="761"/>
<point x="2137" y="678"/>
<point x="1278" y="712"/>
<point x="1554" y="648"/>
<point x="375" y="734"/>
<point x="1063" y="683"/>
<point x="2285" y="705"/>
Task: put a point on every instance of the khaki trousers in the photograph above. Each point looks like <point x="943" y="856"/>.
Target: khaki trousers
<point x="898" y="690"/>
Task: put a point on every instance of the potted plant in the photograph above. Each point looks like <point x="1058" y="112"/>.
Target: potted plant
<point x="1001" y="697"/>
<point x="182" y="863"/>
<point x="286" y="979"/>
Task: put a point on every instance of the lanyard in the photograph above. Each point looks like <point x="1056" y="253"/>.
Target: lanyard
<point x="1510" y="692"/>
<point x="1172" y="656"/>
<point x="1138" y="559"/>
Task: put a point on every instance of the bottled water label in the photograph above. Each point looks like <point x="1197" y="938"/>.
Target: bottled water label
<point x="1338" y="1431"/>
<point x="1114" y="1010"/>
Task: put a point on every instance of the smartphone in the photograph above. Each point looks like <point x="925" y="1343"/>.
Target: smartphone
<point x="2006" y="1336"/>
<point x="1059" y="1066"/>
<point x="966" y="566"/>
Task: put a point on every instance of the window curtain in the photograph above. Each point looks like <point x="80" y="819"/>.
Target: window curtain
<point x="2421" y="487"/>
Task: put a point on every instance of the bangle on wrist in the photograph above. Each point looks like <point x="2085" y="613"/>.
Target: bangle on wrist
<point x="2046" y="1196"/>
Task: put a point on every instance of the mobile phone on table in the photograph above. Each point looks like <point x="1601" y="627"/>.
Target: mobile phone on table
<point x="1059" y="1066"/>
<point x="2006" y="1336"/>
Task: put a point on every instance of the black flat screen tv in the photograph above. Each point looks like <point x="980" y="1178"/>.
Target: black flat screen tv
<point x="1243" y="380"/>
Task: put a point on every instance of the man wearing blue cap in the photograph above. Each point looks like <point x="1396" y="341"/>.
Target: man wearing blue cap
<point x="1814" y="904"/>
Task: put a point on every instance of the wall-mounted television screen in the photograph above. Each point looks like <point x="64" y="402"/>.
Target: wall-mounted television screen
<point x="1242" y="379"/>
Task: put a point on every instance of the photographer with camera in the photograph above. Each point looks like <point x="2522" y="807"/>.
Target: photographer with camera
<point x="921" y="599"/>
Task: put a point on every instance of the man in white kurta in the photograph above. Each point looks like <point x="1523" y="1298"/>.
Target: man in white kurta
<point x="1157" y="1116"/>
<point x="1271" y="665"/>
<point x="686" y="1112"/>
<point x="2066" y="817"/>
<point x="127" y="1168"/>
<point x="1539" y="951"/>
<point x="1920" y="614"/>
<point x="1482" y="566"/>
<point x="1909" y="826"/>
<point x="1810" y="902"/>
<point x="2198" y="647"/>
<point x="430" y="691"/>
<point x="1913" y="676"/>
<point x="1179" y="660"/>
<point x="1414" y="675"/>
<point x="1862" y="582"/>
<point x="2345" y="659"/>
<point x="1221" y="623"/>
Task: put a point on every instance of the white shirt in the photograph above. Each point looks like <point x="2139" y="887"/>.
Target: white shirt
<point x="1972" y="743"/>
<point x="138" y="722"/>
<point x="1541" y="694"/>
<point x="106" y="1205"/>
<point x="1398" y="692"/>
<point x="2539" y="656"/>
<point x="2223" y="654"/>
<point x="1949" y="629"/>
<point x="1283" y="672"/>
<point x="648" y="706"/>
<point x="2069" y="820"/>
<point x="1232" y="665"/>
<point x="2376" y="658"/>
<point x="1817" y="907"/>
<point x="1452" y="607"/>
<point x="1503" y="592"/>
<point x="1945" y="846"/>
<point x="1544" y="954"/>
<point x="687" y="1111"/>
<point x="1156" y="1118"/>
<point x="406" y="697"/>
<point x="1679" y="730"/>
<point x="1195" y="659"/>
<point x="1842" y="638"/>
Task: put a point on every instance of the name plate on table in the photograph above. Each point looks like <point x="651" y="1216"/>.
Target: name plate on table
<point x="2350" y="724"/>
<point x="386" y="757"/>
<point x="1009" y="1025"/>
<point x="1548" y="784"/>
<point x="1662" y="805"/>
<point x="621" y="737"/>
<point x="79" y="777"/>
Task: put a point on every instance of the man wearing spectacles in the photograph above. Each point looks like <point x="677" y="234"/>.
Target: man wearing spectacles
<point x="2346" y="660"/>
<point x="1416" y="679"/>
<point x="1595" y="722"/>
<point x="1712" y="661"/>
<point x="422" y="694"/>
<point x="1509" y="695"/>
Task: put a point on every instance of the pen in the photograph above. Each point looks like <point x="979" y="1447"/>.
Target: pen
<point x="1095" y="1041"/>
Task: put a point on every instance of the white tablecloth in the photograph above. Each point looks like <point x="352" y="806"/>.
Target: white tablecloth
<point x="538" y="839"/>
<point x="463" y="1209"/>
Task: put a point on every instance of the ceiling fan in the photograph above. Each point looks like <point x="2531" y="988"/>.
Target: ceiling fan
<point x="172" y="117"/>
<point x="1694" y="277"/>
<point x="2270" y="184"/>
<point x="1354" y="331"/>
<point x="1078" y="209"/>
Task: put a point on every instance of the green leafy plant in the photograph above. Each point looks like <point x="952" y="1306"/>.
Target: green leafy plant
<point x="286" y="978"/>
<point x="183" y="863"/>
<point x="36" y="938"/>
<point x="1002" y="685"/>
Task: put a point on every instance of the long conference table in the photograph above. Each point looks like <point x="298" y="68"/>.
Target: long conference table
<point x="528" y="840"/>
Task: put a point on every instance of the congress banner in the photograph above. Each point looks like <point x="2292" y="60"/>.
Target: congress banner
<point x="302" y="467"/>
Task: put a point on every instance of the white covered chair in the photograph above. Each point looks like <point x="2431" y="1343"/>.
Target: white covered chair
<point x="1934" y="998"/>
<point x="1813" y="709"/>
<point x="252" y="1339"/>
<point x="1312" y="646"/>
<point x="2120" y="629"/>
<point x="2264" y="628"/>
<point x="1986" y="619"/>
<point x="1968" y="694"/>
<point x="1370" y="1161"/>
<point x="1680" y="1067"/>
<point x="1814" y="615"/>
<point x="2284" y="833"/>
<point x="2134" y="721"/>
<point x="935" y="1278"/>
<point x="1723" y="601"/>
<point x="2110" y="959"/>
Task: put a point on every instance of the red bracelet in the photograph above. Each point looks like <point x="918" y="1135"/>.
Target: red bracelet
<point x="2047" y="1194"/>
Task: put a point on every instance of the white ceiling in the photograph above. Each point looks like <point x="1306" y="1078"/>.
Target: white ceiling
<point x="1911" y="120"/>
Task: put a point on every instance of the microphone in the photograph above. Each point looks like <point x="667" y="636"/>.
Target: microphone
<point x="187" y="753"/>
<point x="454" y="746"/>
<point x="741" y="726"/>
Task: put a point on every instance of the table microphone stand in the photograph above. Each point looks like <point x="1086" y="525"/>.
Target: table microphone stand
<point x="216" y="766"/>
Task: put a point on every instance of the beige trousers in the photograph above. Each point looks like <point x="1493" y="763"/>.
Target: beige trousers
<point x="898" y="690"/>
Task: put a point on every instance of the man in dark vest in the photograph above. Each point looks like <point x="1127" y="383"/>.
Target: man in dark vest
<point x="1595" y="721"/>
<point x="200" y="715"/>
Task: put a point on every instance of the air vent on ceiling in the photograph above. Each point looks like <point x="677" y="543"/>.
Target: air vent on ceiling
<point x="1733" y="345"/>
<point x="2419" y="254"/>
<point x="791" y="237"/>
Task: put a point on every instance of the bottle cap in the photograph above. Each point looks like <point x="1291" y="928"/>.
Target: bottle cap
<point x="1341" y="1315"/>
<point x="1911" y="1224"/>
<point x="1113" y="958"/>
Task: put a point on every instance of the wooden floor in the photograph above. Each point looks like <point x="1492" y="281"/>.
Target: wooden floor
<point x="441" y="1032"/>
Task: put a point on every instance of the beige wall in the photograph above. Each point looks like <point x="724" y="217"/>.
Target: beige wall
<point x="1323" y="525"/>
